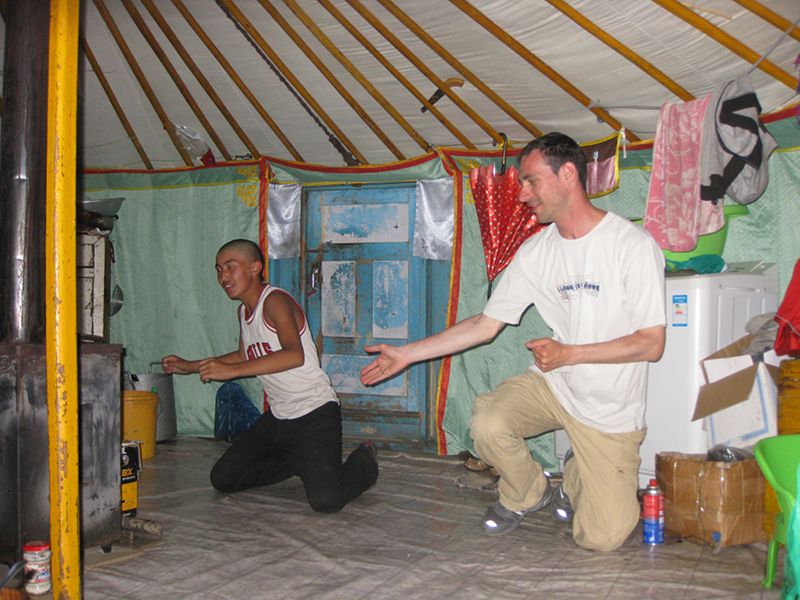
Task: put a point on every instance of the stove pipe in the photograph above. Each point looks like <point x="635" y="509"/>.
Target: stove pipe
<point x="23" y="163"/>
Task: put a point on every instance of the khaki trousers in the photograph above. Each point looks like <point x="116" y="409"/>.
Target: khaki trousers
<point x="601" y="479"/>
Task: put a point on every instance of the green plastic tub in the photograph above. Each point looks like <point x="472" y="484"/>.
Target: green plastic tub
<point x="711" y="243"/>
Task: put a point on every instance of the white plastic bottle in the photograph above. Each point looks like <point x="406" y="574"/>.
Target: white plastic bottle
<point x="37" y="567"/>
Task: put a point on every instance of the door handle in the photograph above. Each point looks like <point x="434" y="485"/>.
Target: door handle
<point x="316" y="280"/>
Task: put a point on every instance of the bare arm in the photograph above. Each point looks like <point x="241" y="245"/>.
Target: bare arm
<point x="470" y="332"/>
<point x="283" y="317"/>
<point x="175" y="364"/>
<point x="642" y="345"/>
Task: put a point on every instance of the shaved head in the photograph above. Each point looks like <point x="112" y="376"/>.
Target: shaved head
<point x="246" y="248"/>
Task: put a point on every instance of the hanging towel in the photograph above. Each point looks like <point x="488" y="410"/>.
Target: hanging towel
<point x="675" y="215"/>
<point x="736" y="146"/>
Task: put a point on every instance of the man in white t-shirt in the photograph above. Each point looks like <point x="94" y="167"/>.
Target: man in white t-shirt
<point x="598" y="282"/>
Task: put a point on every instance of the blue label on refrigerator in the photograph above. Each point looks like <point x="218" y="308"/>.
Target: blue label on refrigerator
<point x="680" y="310"/>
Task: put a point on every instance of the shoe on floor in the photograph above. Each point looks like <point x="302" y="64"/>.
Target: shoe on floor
<point x="561" y="508"/>
<point x="500" y="520"/>
<point x="370" y="447"/>
<point x="478" y="466"/>
<point x="475" y="464"/>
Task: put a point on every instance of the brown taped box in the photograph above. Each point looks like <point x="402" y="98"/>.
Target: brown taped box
<point x="788" y="424"/>
<point x="716" y="503"/>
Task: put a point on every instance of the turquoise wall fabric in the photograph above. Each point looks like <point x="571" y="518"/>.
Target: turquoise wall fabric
<point x="172" y="222"/>
<point x="165" y="244"/>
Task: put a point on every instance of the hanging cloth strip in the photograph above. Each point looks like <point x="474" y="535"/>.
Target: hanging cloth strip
<point x="283" y="220"/>
<point x="602" y="165"/>
<point x="736" y="146"/>
<point x="675" y="215"/>
<point x="433" y="219"/>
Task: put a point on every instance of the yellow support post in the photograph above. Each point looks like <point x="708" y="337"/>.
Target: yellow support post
<point x="61" y="303"/>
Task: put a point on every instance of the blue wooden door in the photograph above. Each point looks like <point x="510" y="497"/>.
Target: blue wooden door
<point x="363" y="286"/>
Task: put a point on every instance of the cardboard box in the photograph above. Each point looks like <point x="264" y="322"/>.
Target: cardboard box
<point x="740" y="398"/>
<point x="716" y="503"/>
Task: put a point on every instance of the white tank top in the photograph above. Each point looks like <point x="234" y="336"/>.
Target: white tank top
<point x="291" y="393"/>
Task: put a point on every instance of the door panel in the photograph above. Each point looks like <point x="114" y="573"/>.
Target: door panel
<point x="339" y="298"/>
<point x="390" y="299"/>
<point x="356" y="223"/>
<point x="364" y="287"/>
<point x="344" y="371"/>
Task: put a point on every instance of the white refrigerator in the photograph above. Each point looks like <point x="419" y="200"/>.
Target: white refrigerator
<point x="704" y="313"/>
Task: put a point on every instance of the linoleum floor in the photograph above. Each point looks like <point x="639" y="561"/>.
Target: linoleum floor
<point x="415" y="535"/>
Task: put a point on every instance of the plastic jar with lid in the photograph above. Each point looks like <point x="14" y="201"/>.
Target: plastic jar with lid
<point x="37" y="567"/>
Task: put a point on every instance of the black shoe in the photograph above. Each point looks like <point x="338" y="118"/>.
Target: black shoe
<point x="371" y="448"/>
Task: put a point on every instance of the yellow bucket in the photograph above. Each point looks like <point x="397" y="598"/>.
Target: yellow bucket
<point x="139" y="418"/>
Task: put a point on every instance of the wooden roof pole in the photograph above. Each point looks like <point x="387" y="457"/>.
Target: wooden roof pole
<point x="137" y="71"/>
<point x="622" y="49"/>
<point x="727" y="40"/>
<point x="228" y="68"/>
<point x="539" y="65"/>
<point x="126" y="124"/>
<point x="395" y="72"/>
<point x="323" y="69"/>
<point x="458" y="66"/>
<point x="770" y="17"/>
<point x="287" y="73"/>
<point x="176" y="78"/>
<point x="356" y="74"/>
<point x="198" y="74"/>
<point x="413" y="59"/>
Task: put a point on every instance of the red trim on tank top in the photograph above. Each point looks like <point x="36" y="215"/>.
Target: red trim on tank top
<point x="249" y="319"/>
<point x="297" y="304"/>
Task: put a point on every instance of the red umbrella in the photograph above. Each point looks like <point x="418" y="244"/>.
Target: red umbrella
<point x="505" y="222"/>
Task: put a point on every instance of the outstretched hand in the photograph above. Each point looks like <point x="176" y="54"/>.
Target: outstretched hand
<point x="389" y="361"/>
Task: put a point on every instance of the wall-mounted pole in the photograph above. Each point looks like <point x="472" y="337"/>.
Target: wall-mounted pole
<point x="60" y="302"/>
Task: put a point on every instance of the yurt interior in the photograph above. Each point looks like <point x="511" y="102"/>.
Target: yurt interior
<point x="258" y="265"/>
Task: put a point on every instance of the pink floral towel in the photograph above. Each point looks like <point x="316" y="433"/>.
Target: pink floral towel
<point x="675" y="215"/>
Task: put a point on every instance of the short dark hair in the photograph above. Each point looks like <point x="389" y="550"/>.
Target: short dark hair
<point x="246" y="247"/>
<point x="558" y="149"/>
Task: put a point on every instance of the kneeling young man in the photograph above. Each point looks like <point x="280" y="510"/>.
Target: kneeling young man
<point x="301" y="433"/>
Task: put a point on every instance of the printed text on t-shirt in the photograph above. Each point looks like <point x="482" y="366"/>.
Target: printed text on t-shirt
<point x="258" y="350"/>
<point x="577" y="284"/>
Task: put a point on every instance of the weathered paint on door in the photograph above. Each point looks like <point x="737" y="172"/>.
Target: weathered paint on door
<point x="363" y="286"/>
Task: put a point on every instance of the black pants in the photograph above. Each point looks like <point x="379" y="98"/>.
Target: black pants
<point x="310" y="446"/>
